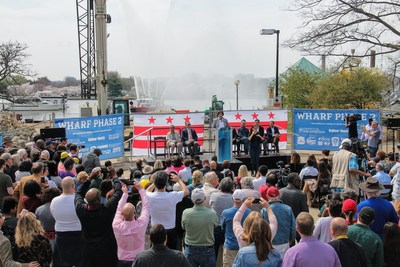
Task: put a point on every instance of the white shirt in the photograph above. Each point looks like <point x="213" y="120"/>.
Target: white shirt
<point x="396" y="168"/>
<point x="63" y="210"/>
<point x="259" y="182"/>
<point x="308" y="171"/>
<point x="185" y="174"/>
<point x="322" y="229"/>
<point x="396" y="187"/>
<point x="163" y="207"/>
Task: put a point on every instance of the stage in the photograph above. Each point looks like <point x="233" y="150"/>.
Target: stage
<point x="268" y="160"/>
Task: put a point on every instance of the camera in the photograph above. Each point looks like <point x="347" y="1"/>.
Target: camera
<point x="357" y="117"/>
<point x="127" y="182"/>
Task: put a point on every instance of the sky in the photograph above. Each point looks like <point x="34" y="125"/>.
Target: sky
<point x="158" y="38"/>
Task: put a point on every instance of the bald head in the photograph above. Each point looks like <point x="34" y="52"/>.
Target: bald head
<point x="213" y="165"/>
<point x="68" y="185"/>
<point x="93" y="196"/>
<point x="128" y="211"/>
<point x="338" y="227"/>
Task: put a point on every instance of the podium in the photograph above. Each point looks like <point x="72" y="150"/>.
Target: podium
<point x="223" y="144"/>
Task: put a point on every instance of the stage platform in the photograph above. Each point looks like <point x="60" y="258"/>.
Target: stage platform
<point x="268" y="160"/>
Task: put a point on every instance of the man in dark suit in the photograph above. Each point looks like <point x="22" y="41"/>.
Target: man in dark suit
<point x="272" y="136"/>
<point x="243" y="137"/>
<point x="189" y="139"/>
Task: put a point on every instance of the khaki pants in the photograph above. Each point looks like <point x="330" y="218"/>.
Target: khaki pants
<point x="229" y="257"/>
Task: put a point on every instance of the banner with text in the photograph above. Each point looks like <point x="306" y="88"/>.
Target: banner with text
<point x="325" y="129"/>
<point x="103" y="132"/>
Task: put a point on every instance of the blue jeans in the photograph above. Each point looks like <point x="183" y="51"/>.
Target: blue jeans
<point x="200" y="256"/>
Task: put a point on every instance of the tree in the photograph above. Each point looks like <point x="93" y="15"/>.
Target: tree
<point x="329" y="24"/>
<point x="12" y="60"/>
<point x="296" y="86"/>
<point x="359" y="88"/>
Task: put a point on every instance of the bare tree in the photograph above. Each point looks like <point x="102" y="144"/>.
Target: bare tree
<point x="13" y="60"/>
<point x="330" y="24"/>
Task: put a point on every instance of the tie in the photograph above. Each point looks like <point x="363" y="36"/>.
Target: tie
<point x="190" y="134"/>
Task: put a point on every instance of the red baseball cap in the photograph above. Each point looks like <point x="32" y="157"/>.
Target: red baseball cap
<point x="273" y="192"/>
<point x="349" y="205"/>
<point x="263" y="191"/>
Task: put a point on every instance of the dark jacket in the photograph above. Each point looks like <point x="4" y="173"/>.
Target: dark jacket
<point x="350" y="253"/>
<point x="99" y="246"/>
<point x="269" y="134"/>
<point x="161" y="256"/>
<point x="185" y="135"/>
<point x="89" y="161"/>
<point x="294" y="198"/>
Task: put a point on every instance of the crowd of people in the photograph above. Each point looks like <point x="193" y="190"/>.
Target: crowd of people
<point x="60" y="209"/>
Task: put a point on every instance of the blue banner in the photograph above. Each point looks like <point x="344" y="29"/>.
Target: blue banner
<point x="325" y="129"/>
<point x="103" y="132"/>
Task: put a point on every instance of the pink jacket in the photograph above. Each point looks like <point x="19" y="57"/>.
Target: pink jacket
<point x="238" y="229"/>
<point x="130" y="235"/>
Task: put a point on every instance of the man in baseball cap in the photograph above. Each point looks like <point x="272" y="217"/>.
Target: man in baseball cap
<point x="345" y="170"/>
<point x="370" y="242"/>
<point x="199" y="223"/>
<point x="287" y="223"/>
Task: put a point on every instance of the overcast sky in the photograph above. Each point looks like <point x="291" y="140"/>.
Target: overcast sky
<point x="154" y="38"/>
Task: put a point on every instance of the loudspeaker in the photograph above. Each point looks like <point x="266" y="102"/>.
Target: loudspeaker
<point x="52" y="133"/>
<point x="393" y="123"/>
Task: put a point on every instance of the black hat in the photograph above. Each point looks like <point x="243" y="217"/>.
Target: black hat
<point x="366" y="215"/>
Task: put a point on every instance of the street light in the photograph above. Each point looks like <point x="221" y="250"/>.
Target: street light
<point x="237" y="82"/>
<point x="271" y="32"/>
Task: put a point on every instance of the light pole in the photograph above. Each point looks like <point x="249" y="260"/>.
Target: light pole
<point x="237" y="82"/>
<point x="271" y="32"/>
<point x="63" y="104"/>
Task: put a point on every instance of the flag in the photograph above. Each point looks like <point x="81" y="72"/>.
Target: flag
<point x="148" y="126"/>
<point x="279" y="116"/>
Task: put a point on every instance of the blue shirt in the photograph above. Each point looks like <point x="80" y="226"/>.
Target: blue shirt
<point x="227" y="224"/>
<point x="286" y="222"/>
<point x="384" y="212"/>
<point x="247" y="257"/>
<point x="353" y="164"/>
<point x="384" y="179"/>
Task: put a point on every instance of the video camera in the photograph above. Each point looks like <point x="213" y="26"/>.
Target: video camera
<point x="357" y="117"/>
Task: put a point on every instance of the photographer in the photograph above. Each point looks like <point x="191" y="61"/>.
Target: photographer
<point x="163" y="204"/>
<point x="351" y="123"/>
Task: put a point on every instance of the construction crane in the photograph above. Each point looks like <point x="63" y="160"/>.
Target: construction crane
<point x="92" y="37"/>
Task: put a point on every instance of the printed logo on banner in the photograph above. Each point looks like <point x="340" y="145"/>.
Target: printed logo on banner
<point x="325" y="129"/>
<point x="148" y="126"/>
<point x="103" y="132"/>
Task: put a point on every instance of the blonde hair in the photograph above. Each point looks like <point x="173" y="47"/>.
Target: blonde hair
<point x="243" y="171"/>
<point x="16" y="160"/>
<point x="248" y="222"/>
<point x="197" y="177"/>
<point x="82" y="176"/>
<point x="27" y="228"/>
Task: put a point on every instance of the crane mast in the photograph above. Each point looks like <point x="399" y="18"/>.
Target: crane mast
<point x="92" y="36"/>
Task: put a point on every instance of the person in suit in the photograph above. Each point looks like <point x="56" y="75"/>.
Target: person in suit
<point x="220" y="122"/>
<point x="243" y="137"/>
<point x="189" y="139"/>
<point x="272" y="136"/>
